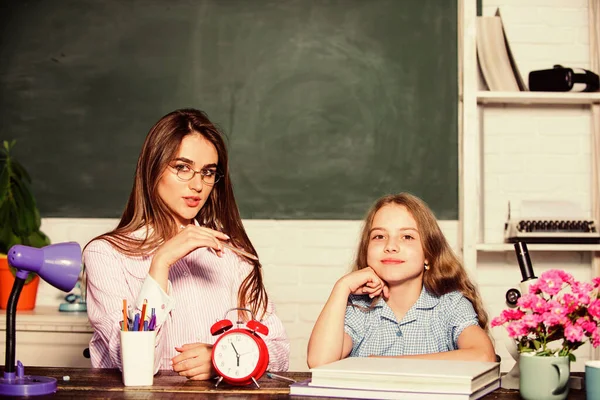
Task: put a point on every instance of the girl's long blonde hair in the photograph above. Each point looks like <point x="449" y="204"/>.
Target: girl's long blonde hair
<point x="220" y="212"/>
<point x="446" y="272"/>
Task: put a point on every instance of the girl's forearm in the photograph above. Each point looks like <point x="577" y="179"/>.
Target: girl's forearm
<point x="326" y="341"/>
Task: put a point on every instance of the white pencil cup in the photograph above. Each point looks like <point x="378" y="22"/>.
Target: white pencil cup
<point x="137" y="357"/>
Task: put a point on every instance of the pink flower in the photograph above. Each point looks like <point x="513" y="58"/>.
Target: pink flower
<point x="507" y="315"/>
<point x="531" y="320"/>
<point x="587" y="325"/>
<point x="557" y="308"/>
<point x="551" y="282"/>
<point x="551" y="319"/>
<point x="594" y="309"/>
<point x="583" y="298"/>
<point x="596" y="338"/>
<point x="516" y="329"/>
<point x="596" y="282"/>
<point x="570" y="302"/>
<point x="581" y="288"/>
<point x="533" y="302"/>
<point x="573" y="333"/>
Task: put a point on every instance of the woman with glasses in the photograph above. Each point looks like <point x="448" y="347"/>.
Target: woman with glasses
<point x="177" y="249"/>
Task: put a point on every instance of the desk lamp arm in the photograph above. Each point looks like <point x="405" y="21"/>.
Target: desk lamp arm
<point x="11" y="325"/>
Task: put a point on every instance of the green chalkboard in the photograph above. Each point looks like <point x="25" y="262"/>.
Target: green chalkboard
<point x="327" y="104"/>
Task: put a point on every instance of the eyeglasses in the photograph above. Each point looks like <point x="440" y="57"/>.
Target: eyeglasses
<point x="210" y="176"/>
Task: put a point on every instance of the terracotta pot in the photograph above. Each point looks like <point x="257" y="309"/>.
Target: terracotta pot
<point x="7" y="279"/>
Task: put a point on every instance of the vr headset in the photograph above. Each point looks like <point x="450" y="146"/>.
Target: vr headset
<point x="561" y="79"/>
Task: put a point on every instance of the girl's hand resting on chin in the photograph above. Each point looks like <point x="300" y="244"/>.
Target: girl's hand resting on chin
<point x="365" y="281"/>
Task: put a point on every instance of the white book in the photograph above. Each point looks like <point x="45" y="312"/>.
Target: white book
<point x="304" y="388"/>
<point x="492" y="55"/>
<point x="511" y="58"/>
<point x="406" y="374"/>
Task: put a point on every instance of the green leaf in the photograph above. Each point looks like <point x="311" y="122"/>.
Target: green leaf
<point x="26" y="205"/>
<point x="19" y="216"/>
<point x="23" y="219"/>
<point x="38" y="239"/>
<point x="4" y="185"/>
<point x="20" y="172"/>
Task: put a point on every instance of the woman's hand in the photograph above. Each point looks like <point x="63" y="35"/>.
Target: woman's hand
<point x="194" y="361"/>
<point x="187" y="240"/>
<point x="365" y="281"/>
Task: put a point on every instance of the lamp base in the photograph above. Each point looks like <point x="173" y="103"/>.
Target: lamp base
<point x="19" y="384"/>
<point x="72" y="307"/>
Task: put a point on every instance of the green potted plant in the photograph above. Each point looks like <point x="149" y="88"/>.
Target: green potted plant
<point x="19" y="224"/>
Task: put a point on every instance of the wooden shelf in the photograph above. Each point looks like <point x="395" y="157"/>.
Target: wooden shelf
<point x="549" y="98"/>
<point x="499" y="247"/>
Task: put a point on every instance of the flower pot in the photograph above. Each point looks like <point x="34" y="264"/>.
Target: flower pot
<point x="544" y="378"/>
<point x="7" y="279"/>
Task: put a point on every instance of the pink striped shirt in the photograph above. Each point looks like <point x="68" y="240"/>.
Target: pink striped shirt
<point x="202" y="287"/>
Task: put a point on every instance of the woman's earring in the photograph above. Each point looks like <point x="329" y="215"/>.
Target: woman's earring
<point x="426" y="267"/>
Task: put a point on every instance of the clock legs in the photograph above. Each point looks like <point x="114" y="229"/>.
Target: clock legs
<point x="220" y="378"/>
<point x="256" y="383"/>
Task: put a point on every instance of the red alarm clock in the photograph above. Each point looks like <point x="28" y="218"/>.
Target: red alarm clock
<point x="240" y="356"/>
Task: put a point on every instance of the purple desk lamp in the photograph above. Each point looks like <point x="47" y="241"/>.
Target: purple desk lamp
<point x="59" y="265"/>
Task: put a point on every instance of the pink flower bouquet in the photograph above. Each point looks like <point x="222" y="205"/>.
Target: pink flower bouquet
<point x="557" y="308"/>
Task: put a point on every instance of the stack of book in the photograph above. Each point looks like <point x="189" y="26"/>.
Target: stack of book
<point x="397" y="378"/>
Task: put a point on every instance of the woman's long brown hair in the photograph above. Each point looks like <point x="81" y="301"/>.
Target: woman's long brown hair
<point x="220" y="212"/>
<point x="446" y="272"/>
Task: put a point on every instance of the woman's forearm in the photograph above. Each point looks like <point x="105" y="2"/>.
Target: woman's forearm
<point x="159" y="271"/>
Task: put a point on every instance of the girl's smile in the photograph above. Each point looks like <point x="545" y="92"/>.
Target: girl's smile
<point x="391" y="261"/>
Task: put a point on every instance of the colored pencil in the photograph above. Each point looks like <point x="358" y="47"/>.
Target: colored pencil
<point x="239" y="251"/>
<point x="143" y="317"/>
<point x="125" y="319"/>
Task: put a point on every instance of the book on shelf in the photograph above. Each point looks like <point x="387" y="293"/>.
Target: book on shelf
<point x="408" y="374"/>
<point x="496" y="61"/>
<point x="304" y="388"/>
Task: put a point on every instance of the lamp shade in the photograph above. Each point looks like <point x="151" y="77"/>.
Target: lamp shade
<point x="58" y="264"/>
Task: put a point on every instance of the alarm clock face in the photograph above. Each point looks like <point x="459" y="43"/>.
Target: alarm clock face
<point x="236" y="355"/>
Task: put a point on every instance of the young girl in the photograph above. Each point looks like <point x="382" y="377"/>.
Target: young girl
<point x="408" y="295"/>
<point x="168" y="249"/>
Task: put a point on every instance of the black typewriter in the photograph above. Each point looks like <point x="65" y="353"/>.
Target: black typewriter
<point x="564" y="231"/>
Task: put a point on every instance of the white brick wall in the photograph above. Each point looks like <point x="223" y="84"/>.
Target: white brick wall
<point x="303" y="259"/>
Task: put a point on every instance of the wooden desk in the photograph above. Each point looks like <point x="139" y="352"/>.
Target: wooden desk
<point x="86" y="383"/>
